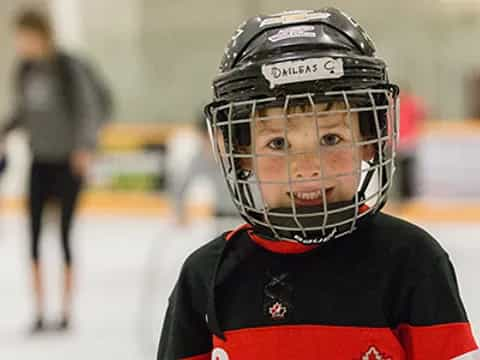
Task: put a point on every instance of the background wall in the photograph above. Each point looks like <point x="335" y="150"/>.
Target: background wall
<point x="161" y="56"/>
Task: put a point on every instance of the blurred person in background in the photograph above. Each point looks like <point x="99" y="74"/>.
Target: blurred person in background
<point x="3" y="158"/>
<point x="412" y="114"/>
<point x="58" y="103"/>
<point x="202" y="167"/>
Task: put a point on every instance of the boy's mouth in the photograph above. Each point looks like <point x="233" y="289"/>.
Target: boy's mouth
<point x="309" y="198"/>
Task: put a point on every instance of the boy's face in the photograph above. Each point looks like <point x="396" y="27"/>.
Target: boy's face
<point x="317" y="153"/>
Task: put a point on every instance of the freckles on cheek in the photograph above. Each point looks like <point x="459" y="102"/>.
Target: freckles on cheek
<point x="345" y="163"/>
<point x="272" y="169"/>
<point x="342" y="162"/>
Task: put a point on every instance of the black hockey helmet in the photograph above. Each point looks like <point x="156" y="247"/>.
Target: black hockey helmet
<point x="303" y="57"/>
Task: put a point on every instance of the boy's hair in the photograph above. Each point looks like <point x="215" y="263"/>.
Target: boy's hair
<point x="34" y="20"/>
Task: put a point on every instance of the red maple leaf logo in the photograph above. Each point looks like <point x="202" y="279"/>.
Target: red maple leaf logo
<point x="277" y="311"/>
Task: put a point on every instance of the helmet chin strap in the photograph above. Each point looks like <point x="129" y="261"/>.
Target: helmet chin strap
<point x="336" y="213"/>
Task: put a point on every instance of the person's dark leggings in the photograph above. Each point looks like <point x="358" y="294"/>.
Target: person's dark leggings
<point x="52" y="181"/>
<point x="407" y="184"/>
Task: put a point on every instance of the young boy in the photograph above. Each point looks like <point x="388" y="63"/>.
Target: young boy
<point x="304" y="127"/>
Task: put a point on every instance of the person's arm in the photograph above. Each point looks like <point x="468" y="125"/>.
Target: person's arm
<point x="87" y="118"/>
<point x="185" y="334"/>
<point x="16" y="118"/>
<point x="435" y="324"/>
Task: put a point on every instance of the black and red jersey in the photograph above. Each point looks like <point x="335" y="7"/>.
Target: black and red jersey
<point x="386" y="291"/>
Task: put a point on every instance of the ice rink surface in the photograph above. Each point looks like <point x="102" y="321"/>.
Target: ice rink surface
<point x="126" y="267"/>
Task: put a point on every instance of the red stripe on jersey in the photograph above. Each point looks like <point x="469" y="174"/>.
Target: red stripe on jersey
<point x="443" y="341"/>
<point x="284" y="247"/>
<point x="363" y="208"/>
<point x="272" y="245"/>
<point x="198" y="357"/>
<point x="308" y="342"/>
<point x="236" y="230"/>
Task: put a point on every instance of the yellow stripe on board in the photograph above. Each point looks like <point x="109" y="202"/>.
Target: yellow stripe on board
<point x="143" y="204"/>
<point x="133" y="135"/>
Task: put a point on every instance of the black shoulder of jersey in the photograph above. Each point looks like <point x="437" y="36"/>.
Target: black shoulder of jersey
<point x="423" y="288"/>
<point x="202" y="258"/>
<point x="208" y="267"/>
<point x="402" y="239"/>
<point x="199" y="267"/>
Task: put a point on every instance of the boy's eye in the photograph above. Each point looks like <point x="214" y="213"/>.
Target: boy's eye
<point x="277" y="144"/>
<point x="330" y="139"/>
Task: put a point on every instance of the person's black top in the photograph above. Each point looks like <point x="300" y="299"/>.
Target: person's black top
<point x="386" y="291"/>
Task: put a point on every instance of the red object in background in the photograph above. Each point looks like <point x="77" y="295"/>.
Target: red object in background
<point x="472" y="87"/>
<point x="412" y="115"/>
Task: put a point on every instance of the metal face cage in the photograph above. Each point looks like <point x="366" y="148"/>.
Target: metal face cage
<point x="307" y="167"/>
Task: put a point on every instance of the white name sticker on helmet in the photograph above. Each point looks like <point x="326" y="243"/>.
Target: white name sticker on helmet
<point x="302" y="70"/>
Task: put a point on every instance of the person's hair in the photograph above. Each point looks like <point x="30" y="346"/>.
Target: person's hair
<point x="35" y="21"/>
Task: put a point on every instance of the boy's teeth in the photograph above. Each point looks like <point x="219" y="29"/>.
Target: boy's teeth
<point x="308" y="195"/>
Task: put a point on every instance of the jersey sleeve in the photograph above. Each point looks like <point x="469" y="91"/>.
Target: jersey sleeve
<point x="185" y="334"/>
<point x="435" y="324"/>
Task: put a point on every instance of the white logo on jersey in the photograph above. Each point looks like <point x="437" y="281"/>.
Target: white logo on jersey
<point x="474" y="355"/>
<point x="316" y="240"/>
<point x="219" y="354"/>
<point x="277" y="311"/>
<point x="374" y="354"/>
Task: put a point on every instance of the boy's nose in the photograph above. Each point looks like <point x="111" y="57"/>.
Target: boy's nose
<point x="306" y="167"/>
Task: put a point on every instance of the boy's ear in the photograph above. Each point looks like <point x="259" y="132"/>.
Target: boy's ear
<point x="368" y="152"/>
<point x="245" y="163"/>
